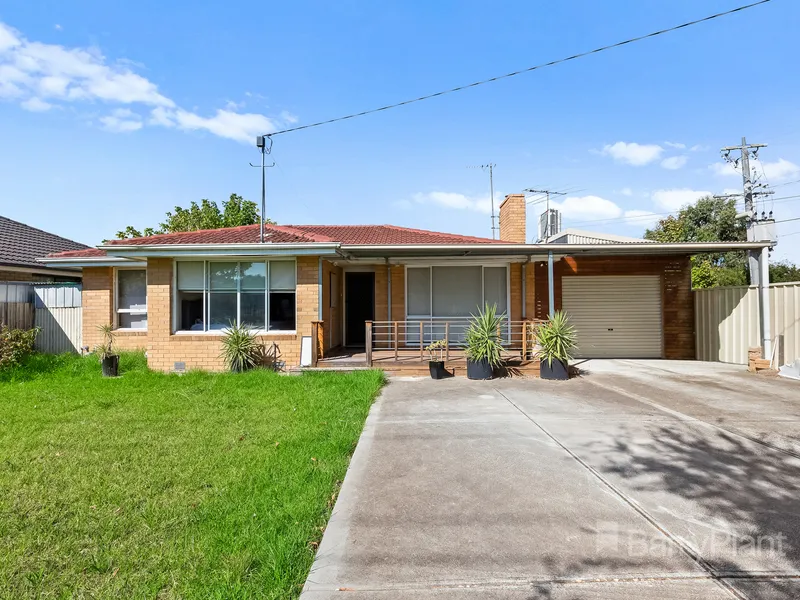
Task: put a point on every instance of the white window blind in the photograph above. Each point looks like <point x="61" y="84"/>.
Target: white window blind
<point x="494" y="288"/>
<point x="457" y="291"/>
<point x="132" y="299"/>
<point x="419" y="291"/>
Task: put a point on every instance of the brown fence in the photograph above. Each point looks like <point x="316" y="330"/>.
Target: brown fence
<point x="17" y="315"/>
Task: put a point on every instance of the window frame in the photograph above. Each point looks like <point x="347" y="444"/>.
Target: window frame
<point x="129" y="311"/>
<point x="430" y="316"/>
<point x="207" y="292"/>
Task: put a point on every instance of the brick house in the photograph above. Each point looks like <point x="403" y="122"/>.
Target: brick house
<point x="309" y="290"/>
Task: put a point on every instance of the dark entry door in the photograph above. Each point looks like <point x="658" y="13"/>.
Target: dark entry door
<point x="359" y="290"/>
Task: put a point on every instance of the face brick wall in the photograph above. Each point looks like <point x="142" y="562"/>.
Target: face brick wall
<point x="98" y="309"/>
<point x="164" y="348"/>
<point x="332" y="315"/>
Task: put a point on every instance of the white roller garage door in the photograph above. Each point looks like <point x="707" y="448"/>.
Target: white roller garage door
<point x="615" y="316"/>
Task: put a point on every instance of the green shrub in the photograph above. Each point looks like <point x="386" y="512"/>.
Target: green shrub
<point x="483" y="336"/>
<point x="241" y="349"/>
<point x="557" y="339"/>
<point x="15" y="344"/>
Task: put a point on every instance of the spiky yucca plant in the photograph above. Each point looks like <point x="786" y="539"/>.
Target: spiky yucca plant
<point x="483" y="336"/>
<point x="556" y="339"/>
<point x="108" y="347"/>
<point x="241" y="349"/>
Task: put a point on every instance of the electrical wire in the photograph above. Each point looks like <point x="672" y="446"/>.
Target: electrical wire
<point x="645" y="218"/>
<point x="521" y="71"/>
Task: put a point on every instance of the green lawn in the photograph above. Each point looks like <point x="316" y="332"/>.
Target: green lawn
<point x="166" y="486"/>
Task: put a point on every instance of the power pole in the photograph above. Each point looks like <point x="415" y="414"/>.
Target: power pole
<point x="490" y="167"/>
<point x="750" y="213"/>
<point x="758" y="230"/>
<point x="547" y="193"/>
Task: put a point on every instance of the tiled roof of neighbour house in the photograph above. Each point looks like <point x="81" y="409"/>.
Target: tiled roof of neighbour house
<point x="288" y="234"/>
<point x="21" y="245"/>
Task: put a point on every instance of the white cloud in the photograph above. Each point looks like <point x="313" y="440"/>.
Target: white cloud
<point x="122" y="120"/>
<point x="674" y="162"/>
<point x="481" y="204"/>
<point x="39" y="76"/>
<point x="36" y="105"/>
<point x="778" y="170"/>
<point x="698" y="148"/>
<point x="626" y="191"/>
<point x="677" y="145"/>
<point x="57" y="27"/>
<point x="289" y="117"/>
<point x="674" y="199"/>
<point x="235" y="126"/>
<point x="587" y="208"/>
<point x="633" y="153"/>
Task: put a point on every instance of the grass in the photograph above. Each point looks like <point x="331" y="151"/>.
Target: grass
<point x="166" y="486"/>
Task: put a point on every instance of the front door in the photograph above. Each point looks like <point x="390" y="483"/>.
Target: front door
<point x="359" y="305"/>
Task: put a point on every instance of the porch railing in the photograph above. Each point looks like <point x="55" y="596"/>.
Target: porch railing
<point x="393" y="338"/>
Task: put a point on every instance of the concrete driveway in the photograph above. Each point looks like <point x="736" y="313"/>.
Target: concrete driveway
<point x="638" y="480"/>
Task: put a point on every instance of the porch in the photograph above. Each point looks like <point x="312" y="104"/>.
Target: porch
<point x="399" y="347"/>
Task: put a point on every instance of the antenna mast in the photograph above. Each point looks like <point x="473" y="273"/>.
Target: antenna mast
<point x="266" y="148"/>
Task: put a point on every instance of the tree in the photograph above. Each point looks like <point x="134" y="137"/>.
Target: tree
<point x="235" y="211"/>
<point x="708" y="220"/>
<point x="714" y="220"/>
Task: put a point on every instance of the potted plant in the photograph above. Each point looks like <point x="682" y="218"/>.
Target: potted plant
<point x="437" y="366"/>
<point x="483" y="347"/>
<point x="107" y="351"/>
<point x="556" y="338"/>
<point x="241" y="349"/>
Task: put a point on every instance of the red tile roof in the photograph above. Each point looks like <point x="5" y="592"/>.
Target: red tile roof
<point x="88" y="253"/>
<point x="293" y="234"/>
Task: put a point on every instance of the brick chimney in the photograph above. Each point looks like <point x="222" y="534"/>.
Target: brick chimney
<point x="512" y="219"/>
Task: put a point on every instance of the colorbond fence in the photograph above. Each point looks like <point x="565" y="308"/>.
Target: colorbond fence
<point x="727" y="322"/>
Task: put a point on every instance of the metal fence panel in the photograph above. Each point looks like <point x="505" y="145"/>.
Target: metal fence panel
<point x="727" y="322"/>
<point x="61" y="329"/>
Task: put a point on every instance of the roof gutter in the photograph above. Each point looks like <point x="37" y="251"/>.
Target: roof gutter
<point x="544" y="249"/>
<point x="94" y="261"/>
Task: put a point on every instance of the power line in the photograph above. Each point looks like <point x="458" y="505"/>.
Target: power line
<point x="663" y="214"/>
<point x="528" y="70"/>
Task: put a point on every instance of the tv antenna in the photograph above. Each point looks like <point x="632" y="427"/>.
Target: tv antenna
<point x="266" y="148"/>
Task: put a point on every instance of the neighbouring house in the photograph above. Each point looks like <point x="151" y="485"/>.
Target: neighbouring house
<point x="21" y="247"/>
<point x="581" y="236"/>
<point x="309" y="290"/>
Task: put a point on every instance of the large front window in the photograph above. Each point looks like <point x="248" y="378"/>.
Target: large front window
<point x="131" y="299"/>
<point x="213" y="294"/>
<point x="447" y="292"/>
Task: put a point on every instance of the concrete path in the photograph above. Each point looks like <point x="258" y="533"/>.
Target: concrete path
<point x="638" y="480"/>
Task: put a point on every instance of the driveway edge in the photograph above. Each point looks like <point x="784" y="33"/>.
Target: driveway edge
<point x="324" y="570"/>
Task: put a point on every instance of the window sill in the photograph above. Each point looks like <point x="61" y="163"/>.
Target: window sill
<point x="128" y="331"/>
<point x="222" y="332"/>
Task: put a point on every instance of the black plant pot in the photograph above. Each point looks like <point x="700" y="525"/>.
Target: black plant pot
<point x="437" y="369"/>
<point x="110" y="366"/>
<point x="554" y="370"/>
<point x="479" y="369"/>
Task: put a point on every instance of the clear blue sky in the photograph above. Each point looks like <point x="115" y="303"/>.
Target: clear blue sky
<point x="112" y="115"/>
